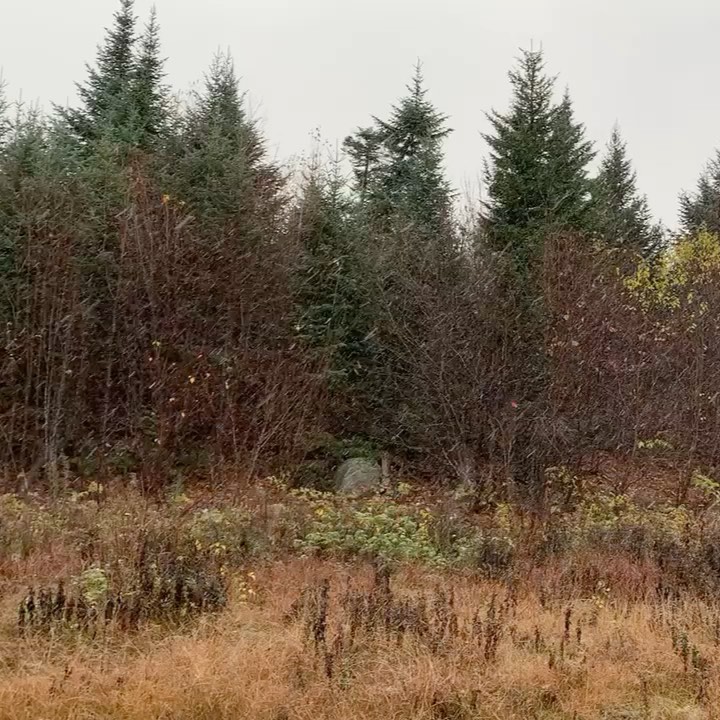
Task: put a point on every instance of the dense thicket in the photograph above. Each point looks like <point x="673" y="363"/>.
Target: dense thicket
<point x="170" y="299"/>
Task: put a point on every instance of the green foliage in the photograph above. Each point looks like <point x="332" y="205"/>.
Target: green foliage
<point x="23" y="144"/>
<point x="537" y="174"/>
<point x="677" y="277"/>
<point x="654" y="445"/>
<point x="412" y="180"/>
<point x="617" y="521"/>
<point x="621" y="216"/>
<point x="148" y="97"/>
<point x="93" y="586"/>
<point x="330" y="293"/>
<point x="569" y="154"/>
<point x="398" y="164"/>
<point x="105" y="94"/>
<point x="516" y="175"/>
<point x="376" y="528"/>
<point x="394" y="531"/>
<point x="227" y="534"/>
<point x="123" y="99"/>
<point x="218" y="163"/>
<point x="707" y="486"/>
<point x="4" y="120"/>
<point x="365" y="149"/>
<point x="701" y="210"/>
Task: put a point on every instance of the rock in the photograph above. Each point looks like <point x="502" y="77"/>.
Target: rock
<point x="358" y="475"/>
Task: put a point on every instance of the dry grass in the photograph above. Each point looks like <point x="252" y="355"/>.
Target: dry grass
<point x="595" y="658"/>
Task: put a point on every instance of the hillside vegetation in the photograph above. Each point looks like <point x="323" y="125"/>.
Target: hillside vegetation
<point x="193" y="339"/>
<point x="304" y="605"/>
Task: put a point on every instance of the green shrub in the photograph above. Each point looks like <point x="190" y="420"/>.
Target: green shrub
<point x="226" y="533"/>
<point x="373" y="528"/>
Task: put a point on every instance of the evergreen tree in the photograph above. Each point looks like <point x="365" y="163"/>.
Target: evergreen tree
<point x="398" y="163"/>
<point x="219" y="165"/>
<point x="537" y="175"/>
<point x="517" y="172"/>
<point x="569" y="199"/>
<point x="701" y="209"/>
<point x="21" y="157"/>
<point x="329" y="286"/>
<point x="621" y="215"/>
<point x="365" y="151"/>
<point x="413" y="178"/>
<point x="148" y="96"/>
<point x="537" y="183"/>
<point x="105" y="95"/>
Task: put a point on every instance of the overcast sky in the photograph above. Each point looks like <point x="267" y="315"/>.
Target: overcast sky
<point x="650" y="65"/>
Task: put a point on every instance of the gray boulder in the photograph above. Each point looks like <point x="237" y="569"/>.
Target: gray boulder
<point x="358" y="475"/>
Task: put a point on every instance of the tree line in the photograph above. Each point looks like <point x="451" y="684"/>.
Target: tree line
<point x="170" y="300"/>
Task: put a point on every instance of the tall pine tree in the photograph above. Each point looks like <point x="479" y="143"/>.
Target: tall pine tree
<point x="701" y="209"/>
<point x="219" y="163"/>
<point x="621" y="216"/>
<point x="537" y="174"/>
<point x="148" y="96"/>
<point x="365" y="149"/>
<point x="22" y="152"/>
<point x="398" y="163"/>
<point x="516" y="174"/>
<point x="413" y="178"/>
<point x="105" y="94"/>
<point x="329" y="290"/>
<point x="537" y="184"/>
<point x="569" y="153"/>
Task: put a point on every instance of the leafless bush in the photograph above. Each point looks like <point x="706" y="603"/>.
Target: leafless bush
<point x="163" y="342"/>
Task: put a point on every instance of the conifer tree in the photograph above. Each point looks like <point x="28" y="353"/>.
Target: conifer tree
<point x="398" y="163"/>
<point x="4" y="120"/>
<point x="21" y="156"/>
<point x="569" y="154"/>
<point x="329" y="285"/>
<point x="148" y="97"/>
<point x="537" y="174"/>
<point x="537" y="183"/>
<point x="701" y="209"/>
<point x="364" y="149"/>
<point x="621" y="215"/>
<point x="517" y="171"/>
<point x="413" y="178"/>
<point x="219" y="165"/>
<point x="105" y="94"/>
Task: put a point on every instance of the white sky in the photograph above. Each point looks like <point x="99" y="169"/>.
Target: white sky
<point x="651" y="65"/>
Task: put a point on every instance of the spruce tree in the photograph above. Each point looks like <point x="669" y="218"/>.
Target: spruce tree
<point x="413" y="178"/>
<point x="517" y="172"/>
<point x="398" y="163"/>
<point x="329" y="286"/>
<point x="21" y="165"/>
<point x="537" y="174"/>
<point x="105" y="94"/>
<point x="219" y="163"/>
<point x="569" y="153"/>
<point x="365" y="149"/>
<point x="621" y="216"/>
<point x="148" y="97"/>
<point x="537" y="184"/>
<point x="701" y="209"/>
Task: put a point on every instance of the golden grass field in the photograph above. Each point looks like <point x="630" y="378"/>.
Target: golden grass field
<point x="248" y="663"/>
<point x="526" y="646"/>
